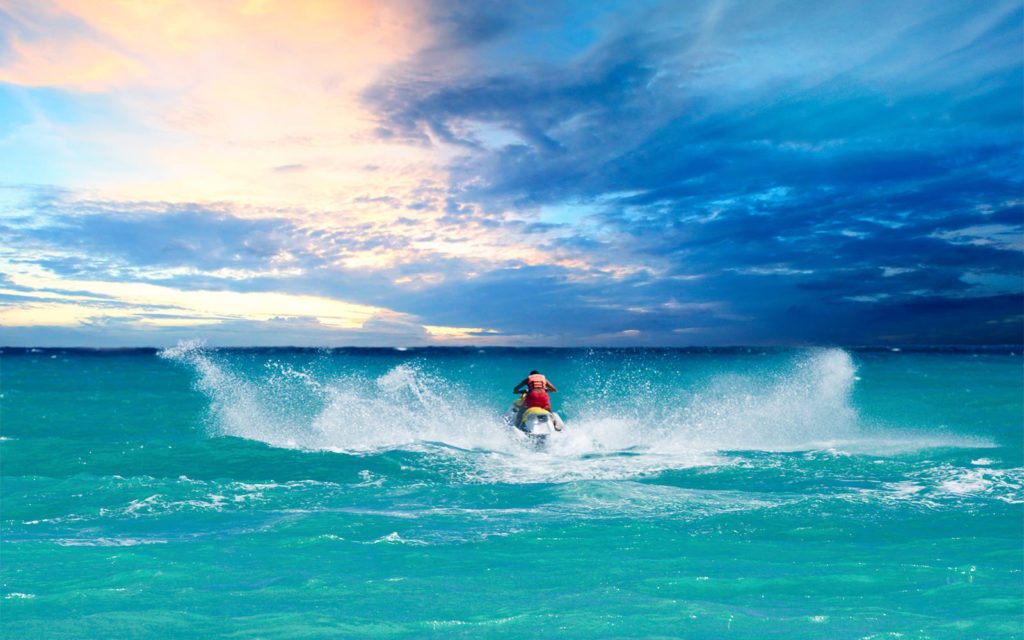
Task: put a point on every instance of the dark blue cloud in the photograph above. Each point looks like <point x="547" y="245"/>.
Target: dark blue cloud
<point x="152" y="234"/>
<point x="797" y="158"/>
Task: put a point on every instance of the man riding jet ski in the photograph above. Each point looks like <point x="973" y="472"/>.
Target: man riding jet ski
<point x="532" y="413"/>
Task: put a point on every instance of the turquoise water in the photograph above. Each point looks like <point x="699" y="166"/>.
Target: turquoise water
<point x="818" y="493"/>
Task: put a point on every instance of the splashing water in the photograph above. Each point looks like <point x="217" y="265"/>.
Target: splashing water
<point x="349" y="413"/>
<point x="801" y="403"/>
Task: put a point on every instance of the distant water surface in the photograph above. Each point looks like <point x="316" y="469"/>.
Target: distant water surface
<point x="373" y="493"/>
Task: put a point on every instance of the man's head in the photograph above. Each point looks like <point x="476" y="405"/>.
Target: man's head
<point x="534" y="372"/>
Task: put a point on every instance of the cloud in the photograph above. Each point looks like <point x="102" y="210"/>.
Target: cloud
<point x="643" y="173"/>
<point x="175" y="236"/>
<point x="301" y="332"/>
<point x="157" y="101"/>
<point x="785" y="177"/>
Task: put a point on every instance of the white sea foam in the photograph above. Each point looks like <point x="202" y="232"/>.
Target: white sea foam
<point x="949" y="484"/>
<point x="107" y="542"/>
<point x="1006" y="485"/>
<point x="394" y="538"/>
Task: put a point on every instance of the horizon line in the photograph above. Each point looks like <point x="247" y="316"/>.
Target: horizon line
<point x="886" y="347"/>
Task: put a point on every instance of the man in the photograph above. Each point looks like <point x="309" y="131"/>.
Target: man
<point x="536" y="387"/>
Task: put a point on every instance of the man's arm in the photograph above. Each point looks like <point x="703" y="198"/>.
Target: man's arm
<point x="550" y="387"/>
<point x="521" y="384"/>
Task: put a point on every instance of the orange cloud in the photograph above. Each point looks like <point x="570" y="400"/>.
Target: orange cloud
<point x="77" y="64"/>
<point x="226" y="91"/>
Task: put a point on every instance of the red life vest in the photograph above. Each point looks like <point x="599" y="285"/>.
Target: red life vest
<point x="536" y="382"/>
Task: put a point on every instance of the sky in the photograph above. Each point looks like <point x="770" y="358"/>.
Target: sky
<point x="420" y="172"/>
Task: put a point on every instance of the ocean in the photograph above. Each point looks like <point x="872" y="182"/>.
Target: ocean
<point x="374" y="493"/>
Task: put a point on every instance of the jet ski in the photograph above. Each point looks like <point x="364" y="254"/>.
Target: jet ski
<point x="536" y="423"/>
